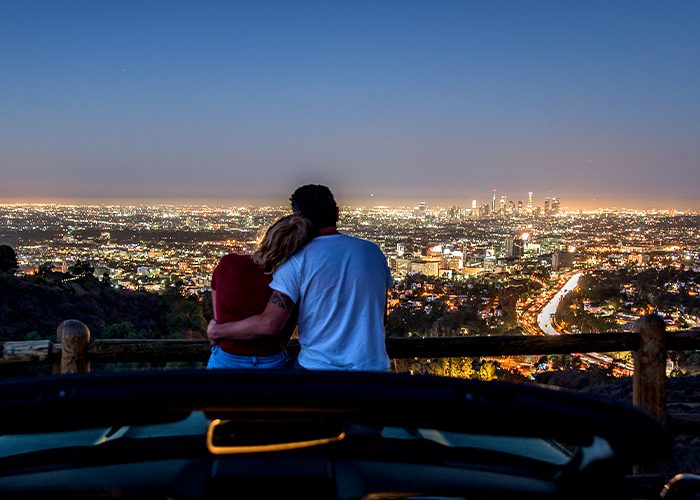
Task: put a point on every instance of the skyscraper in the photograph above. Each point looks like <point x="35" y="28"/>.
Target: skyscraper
<point x="555" y="206"/>
<point x="514" y="247"/>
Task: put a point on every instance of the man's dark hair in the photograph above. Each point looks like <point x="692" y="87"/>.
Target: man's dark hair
<point x="316" y="203"/>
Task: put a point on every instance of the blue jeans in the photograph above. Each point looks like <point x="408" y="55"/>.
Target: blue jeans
<point x="221" y="359"/>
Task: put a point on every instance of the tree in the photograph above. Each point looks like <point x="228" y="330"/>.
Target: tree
<point x="8" y="259"/>
<point x="185" y="317"/>
<point x="45" y="268"/>
<point x="81" y="268"/>
<point x="126" y="330"/>
<point x="33" y="335"/>
<point x="122" y="330"/>
<point x="488" y="370"/>
<point x="456" y="367"/>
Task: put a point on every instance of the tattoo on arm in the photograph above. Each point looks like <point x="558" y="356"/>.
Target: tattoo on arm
<point x="281" y="300"/>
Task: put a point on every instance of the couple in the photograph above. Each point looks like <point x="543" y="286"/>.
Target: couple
<point x="333" y="286"/>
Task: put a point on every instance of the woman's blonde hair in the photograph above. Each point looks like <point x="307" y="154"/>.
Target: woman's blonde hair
<point x="282" y="240"/>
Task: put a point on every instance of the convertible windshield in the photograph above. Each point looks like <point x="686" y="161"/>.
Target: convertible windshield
<point x="197" y="423"/>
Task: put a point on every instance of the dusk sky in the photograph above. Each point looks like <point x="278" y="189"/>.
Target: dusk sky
<point x="597" y="102"/>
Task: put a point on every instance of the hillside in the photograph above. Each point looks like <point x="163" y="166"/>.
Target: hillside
<point x="32" y="309"/>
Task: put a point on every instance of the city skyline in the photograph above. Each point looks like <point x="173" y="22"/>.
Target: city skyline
<point x="371" y="200"/>
<point x="387" y="103"/>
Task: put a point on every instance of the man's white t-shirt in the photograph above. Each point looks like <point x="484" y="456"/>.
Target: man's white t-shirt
<point x="340" y="284"/>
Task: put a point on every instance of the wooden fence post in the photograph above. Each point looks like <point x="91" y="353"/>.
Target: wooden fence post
<point x="649" y="382"/>
<point x="75" y="338"/>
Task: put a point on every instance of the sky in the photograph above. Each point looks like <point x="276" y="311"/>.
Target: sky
<point x="387" y="102"/>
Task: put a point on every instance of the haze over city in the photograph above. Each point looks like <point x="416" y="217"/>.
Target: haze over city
<point x="389" y="103"/>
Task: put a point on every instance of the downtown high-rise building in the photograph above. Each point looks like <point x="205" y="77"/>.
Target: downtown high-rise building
<point x="555" y="206"/>
<point x="515" y="247"/>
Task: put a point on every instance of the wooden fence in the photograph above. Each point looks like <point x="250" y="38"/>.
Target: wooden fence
<point x="74" y="350"/>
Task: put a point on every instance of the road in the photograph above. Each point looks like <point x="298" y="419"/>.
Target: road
<point x="530" y="310"/>
<point x="546" y="324"/>
<point x="544" y="318"/>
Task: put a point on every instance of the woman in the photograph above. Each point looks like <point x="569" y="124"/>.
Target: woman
<point x="240" y="289"/>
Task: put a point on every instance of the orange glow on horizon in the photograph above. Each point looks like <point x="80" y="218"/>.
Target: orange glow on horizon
<point x="392" y="202"/>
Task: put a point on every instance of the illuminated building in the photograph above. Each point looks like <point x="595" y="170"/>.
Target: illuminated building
<point x="401" y="266"/>
<point x="514" y="247"/>
<point x="561" y="260"/>
<point x="555" y="206"/>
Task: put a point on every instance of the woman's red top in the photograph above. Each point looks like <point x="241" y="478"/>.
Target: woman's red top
<point x="242" y="290"/>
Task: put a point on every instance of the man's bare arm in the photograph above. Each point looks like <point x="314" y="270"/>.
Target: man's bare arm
<point x="281" y="300"/>
<point x="268" y="322"/>
<point x="386" y="307"/>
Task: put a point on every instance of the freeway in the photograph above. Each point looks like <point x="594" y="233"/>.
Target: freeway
<point x="548" y="298"/>
<point x="536" y="317"/>
<point x="546" y="323"/>
<point x="544" y="318"/>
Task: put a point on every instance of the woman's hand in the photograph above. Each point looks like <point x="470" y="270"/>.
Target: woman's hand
<point x="212" y="332"/>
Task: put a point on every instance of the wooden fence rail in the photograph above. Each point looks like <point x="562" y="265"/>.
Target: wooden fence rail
<point x="157" y="350"/>
<point x="649" y="343"/>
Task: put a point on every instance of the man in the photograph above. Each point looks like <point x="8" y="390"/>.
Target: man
<point x="340" y="285"/>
